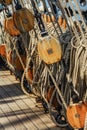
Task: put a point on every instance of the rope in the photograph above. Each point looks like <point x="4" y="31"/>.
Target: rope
<point x="14" y="44"/>
<point x="80" y="14"/>
<point x="57" y="88"/>
<point x="58" y="26"/>
<point x="78" y="62"/>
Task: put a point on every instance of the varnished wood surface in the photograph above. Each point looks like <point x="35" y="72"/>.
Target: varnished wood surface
<point x="18" y="111"/>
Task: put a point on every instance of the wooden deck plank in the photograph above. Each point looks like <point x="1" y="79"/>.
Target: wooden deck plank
<point x="44" y="117"/>
<point x="28" y="112"/>
<point x="39" y="124"/>
<point x="38" y="121"/>
<point x="3" y="121"/>
<point x="18" y="111"/>
<point x="20" y="115"/>
<point x="8" y="109"/>
<point x="23" y="109"/>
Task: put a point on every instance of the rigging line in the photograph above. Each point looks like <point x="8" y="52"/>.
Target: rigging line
<point x="69" y="19"/>
<point x="14" y="44"/>
<point x="75" y="1"/>
<point x="57" y="88"/>
<point x="50" y="3"/>
<point x="77" y="19"/>
<point x="63" y="13"/>
<point x="51" y="18"/>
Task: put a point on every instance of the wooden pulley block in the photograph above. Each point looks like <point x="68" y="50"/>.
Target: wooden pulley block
<point x="29" y="75"/>
<point x="7" y="2"/>
<point x="44" y="17"/>
<point x="10" y="27"/>
<point x="76" y="114"/>
<point x="53" y="18"/>
<point x="48" y="97"/>
<point x="64" y="24"/>
<point x="47" y="18"/>
<point x="60" y="20"/>
<point x="24" y="20"/>
<point x="3" y="50"/>
<point x="49" y="50"/>
<point x="49" y="93"/>
<point x="18" y="64"/>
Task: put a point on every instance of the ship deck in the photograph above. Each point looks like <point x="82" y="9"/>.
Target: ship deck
<point x="19" y="111"/>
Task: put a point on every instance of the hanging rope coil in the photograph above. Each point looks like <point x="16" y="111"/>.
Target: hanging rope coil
<point x="78" y="65"/>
